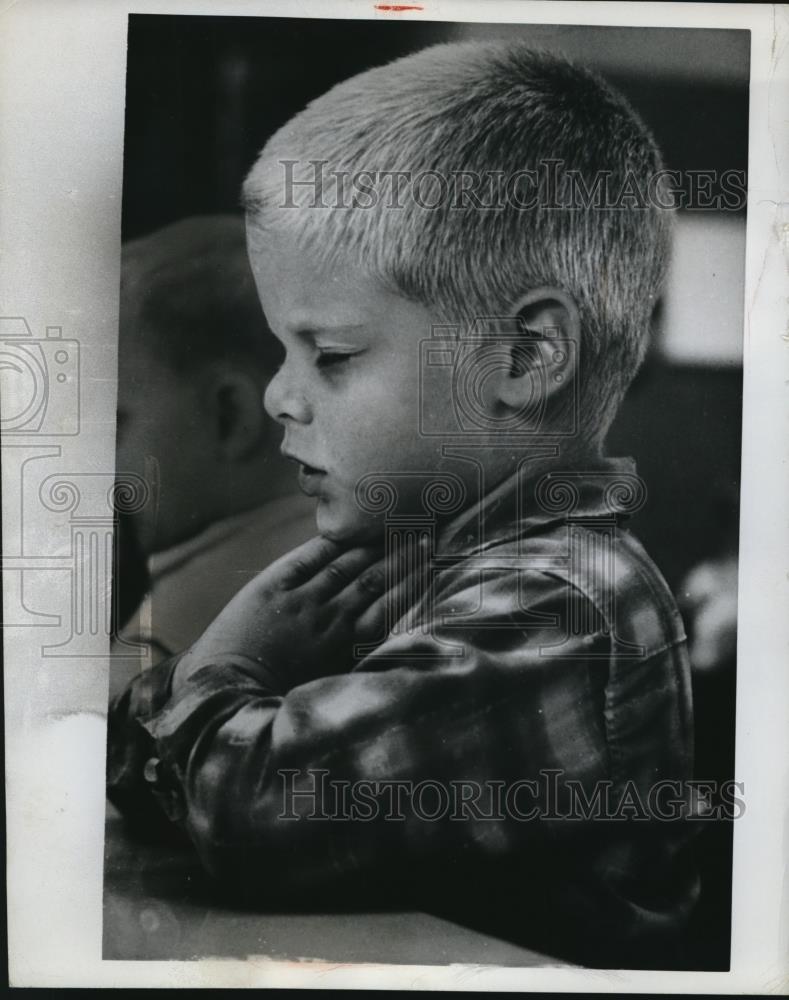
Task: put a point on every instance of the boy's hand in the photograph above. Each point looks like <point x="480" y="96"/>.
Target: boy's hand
<point x="300" y="617"/>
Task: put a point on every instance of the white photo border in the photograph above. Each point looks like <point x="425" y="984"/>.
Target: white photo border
<point x="62" y="95"/>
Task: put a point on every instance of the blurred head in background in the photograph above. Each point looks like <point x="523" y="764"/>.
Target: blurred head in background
<point x="195" y="356"/>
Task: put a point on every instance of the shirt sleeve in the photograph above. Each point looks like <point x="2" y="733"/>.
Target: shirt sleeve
<point x="459" y="741"/>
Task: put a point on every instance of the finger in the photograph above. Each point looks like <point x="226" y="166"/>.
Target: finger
<point x="365" y="588"/>
<point x="295" y="568"/>
<point x="376" y="618"/>
<point x="341" y="573"/>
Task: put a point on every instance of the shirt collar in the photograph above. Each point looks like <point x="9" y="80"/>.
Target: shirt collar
<point x="525" y="503"/>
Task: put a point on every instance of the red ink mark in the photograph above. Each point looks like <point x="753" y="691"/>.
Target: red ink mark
<point x="397" y="6"/>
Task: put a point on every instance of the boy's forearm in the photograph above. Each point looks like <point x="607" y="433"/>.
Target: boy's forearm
<point x="272" y="785"/>
<point x="245" y="767"/>
<point x="259" y="782"/>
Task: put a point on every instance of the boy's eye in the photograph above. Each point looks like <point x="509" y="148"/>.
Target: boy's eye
<point x="333" y="359"/>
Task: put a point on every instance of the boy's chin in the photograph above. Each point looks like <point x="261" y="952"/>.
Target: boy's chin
<point x="346" y="529"/>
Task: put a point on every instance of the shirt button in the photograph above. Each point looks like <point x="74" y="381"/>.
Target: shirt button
<point x="166" y="792"/>
<point x="151" y="770"/>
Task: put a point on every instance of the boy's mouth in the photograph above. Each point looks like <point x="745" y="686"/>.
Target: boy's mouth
<point x="309" y="477"/>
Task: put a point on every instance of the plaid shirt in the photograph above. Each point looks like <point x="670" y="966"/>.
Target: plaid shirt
<point x="520" y="735"/>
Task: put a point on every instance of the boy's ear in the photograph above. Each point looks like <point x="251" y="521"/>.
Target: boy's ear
<point x="239" y="421"/>
<point x="544" y="357"/>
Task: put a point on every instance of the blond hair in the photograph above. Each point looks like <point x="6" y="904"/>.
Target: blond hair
<point x="489" y="110"/>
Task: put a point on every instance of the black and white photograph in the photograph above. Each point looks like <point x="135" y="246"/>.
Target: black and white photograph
<point x="395" y="550"/>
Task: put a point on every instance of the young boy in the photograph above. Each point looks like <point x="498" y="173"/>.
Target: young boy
<point x="495" y="718"/>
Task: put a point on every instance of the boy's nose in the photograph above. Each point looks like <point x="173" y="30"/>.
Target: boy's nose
<point x="284" y="401"/>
